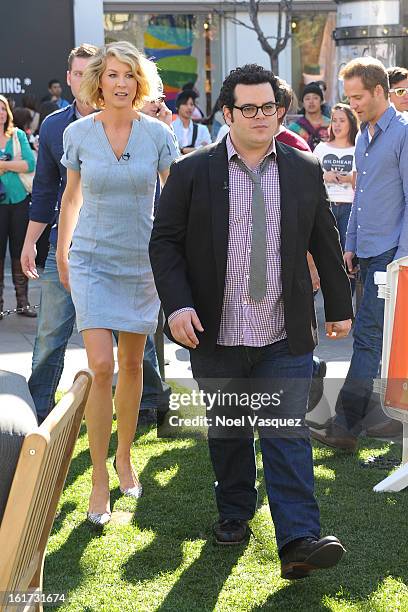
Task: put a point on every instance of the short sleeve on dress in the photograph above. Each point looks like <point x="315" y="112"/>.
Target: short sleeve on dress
<point x="70" y="159"/>
<point x="168" y="150"/>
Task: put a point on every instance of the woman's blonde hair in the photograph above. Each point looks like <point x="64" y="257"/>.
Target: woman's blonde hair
<point x="144" y="71"/>
<point x="9" y="125"/>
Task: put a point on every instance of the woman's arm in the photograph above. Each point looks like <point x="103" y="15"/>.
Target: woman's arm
<point x="70" y="206"/>
<point x="14" y="165"/>
<point x="163" y="176"/>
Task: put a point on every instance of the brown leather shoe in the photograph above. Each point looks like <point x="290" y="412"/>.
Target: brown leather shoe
<point x="389" y="429"/>
<point x="231" y="531"/>
<point x="336" y="436"/>
<point x="300" y="557"/>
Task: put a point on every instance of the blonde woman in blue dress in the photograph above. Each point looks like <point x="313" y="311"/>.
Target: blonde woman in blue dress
<point x="113" y="158"/>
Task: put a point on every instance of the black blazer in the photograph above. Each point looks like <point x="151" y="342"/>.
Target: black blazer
<point x="188" y="246"/>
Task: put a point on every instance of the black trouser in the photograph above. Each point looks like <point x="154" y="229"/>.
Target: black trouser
<point x="13" y="227"/>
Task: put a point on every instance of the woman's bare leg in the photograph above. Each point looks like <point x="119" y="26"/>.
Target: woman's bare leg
<point x="98" y="413"/>
<point x="127" y="401"/>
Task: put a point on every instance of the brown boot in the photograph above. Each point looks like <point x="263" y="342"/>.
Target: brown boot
<point x="1" y="286"/>
<point x="21" y="286"/>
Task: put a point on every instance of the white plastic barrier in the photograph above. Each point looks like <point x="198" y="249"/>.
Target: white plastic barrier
<point x="395" y="404"/>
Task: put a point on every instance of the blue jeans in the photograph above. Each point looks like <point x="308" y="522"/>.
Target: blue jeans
<point x="55" y="324"/>
<point x="156" y="392"/>
<point x="342" y="214"/>
<point x="287" y="460"/>
<point x="353" y="401"/>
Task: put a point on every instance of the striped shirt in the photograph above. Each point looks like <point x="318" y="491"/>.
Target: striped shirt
<point x="243" y="321"/>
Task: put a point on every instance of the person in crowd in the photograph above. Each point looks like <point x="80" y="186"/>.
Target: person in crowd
<point x="47" y="108"/>
<point x="284" y="135"/>
<point x="156" y="392"/>
<point x="190" y="135"/>
<point x="293" y="140"/>
<point x="157" y="108"/>
<point x="197" y="114"/>
<point x="230" y="268"/>
<point x="215" y="119"/>
<point x="57" y="314"/>
<point x="30" y="101"/>
<point x="336" y="157"/>
<point x="398" y="79"/>
<point x="16" y="157"/>
<point x="377" y="233"/>
<point x="326" y="108"/>
<point x="112" y="160"/>
<point x="22" y="120"/>
<point x="55" y="94"/>
<point x="313" y="126"/>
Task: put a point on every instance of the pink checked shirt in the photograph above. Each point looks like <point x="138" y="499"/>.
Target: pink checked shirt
<point x="244" y="321"/>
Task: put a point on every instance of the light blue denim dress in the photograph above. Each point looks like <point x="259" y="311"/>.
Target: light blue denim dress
<point x="110" y="274"/>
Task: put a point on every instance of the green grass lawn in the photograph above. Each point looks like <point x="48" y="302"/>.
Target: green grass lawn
<point x="164" y="559"/>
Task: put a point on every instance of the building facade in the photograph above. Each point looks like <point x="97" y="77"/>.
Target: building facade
<point x="199" y="41"/>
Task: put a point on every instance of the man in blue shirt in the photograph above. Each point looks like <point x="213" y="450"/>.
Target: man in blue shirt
<point x="55" y="94"/>
<point x="377" y="233"/>
<point x="57" y="314"/>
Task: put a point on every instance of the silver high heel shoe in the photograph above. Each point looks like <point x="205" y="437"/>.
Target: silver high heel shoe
<point x="135" y="492"/>
<point x="98" y="520"/>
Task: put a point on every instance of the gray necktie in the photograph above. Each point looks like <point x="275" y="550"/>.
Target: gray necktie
<point x="257" y="273"/>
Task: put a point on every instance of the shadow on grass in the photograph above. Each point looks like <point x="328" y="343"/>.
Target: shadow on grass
<point x="370" y="525"/>
<point x="181" y="513"/>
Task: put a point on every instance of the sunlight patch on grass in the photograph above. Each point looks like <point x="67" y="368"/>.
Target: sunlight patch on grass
<point x="324" y="472"/>
<point x="163" y="478"/>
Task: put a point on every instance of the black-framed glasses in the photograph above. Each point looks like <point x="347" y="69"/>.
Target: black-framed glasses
<point x="399" y="91"/>
<point x="249" y="111"/>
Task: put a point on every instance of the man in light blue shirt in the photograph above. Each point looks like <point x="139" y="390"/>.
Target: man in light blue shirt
<point x="377" y="233"/>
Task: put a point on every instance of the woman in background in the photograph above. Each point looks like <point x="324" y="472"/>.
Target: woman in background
<point x="16" y="157"/>
<point x="337" y="157"/>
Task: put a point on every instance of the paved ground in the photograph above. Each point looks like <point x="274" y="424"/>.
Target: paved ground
<point x="17" y="336"/>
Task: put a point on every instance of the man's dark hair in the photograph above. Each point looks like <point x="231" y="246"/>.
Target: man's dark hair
<point x="250" y="74"/>
<point x="85" y="50"/>
<point x="286" y="95"/>
<point x="396" y="75"/>
<point x="184" y="97"/>
<point x="52" y="82"/>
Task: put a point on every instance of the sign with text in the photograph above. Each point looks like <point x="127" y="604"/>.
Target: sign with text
<point x="36" y="37"/>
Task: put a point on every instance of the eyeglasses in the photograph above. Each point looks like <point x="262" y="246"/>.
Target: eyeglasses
<point x="249" y="111"/>
<point x="158" y="100"/>
<point x="399" y="91"/>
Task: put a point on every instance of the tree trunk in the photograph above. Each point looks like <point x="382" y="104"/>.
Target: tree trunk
<point x="275" y="64"/>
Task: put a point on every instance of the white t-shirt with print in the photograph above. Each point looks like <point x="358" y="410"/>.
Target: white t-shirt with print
<point x="340" y="160"/>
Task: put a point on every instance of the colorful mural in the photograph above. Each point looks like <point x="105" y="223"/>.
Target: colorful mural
<point x="169" y="40"/>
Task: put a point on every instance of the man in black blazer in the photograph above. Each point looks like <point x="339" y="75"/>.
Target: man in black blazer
<point x="228" y="252"/>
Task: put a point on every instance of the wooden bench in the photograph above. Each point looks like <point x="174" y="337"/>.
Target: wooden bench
<point x="36" y="488"/>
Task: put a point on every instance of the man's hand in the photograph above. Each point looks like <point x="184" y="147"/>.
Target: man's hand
<point x="314" y="275"/>
<point x="27" y="259"/>
<point x="338" y="329"/>
<point x="348" y="260"/>
<point x="63" y="271"/>
<point x="165" y="114"/>
<point x="182" y="328"/>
